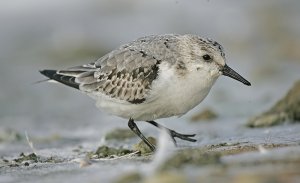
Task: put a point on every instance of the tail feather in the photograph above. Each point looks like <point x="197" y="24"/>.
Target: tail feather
<point x="64" y="79"/>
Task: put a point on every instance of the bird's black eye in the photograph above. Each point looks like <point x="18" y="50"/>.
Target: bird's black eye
<point x="206" y="57"/>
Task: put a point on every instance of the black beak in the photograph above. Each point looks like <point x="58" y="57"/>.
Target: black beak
<point x="227" y="71"/>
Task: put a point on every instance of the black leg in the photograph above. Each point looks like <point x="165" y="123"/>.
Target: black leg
<point x="136" y="130"/>
<point x="174" y="134"/>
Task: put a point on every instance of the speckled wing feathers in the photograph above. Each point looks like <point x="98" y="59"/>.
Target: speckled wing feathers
<point x="126" y="73"/>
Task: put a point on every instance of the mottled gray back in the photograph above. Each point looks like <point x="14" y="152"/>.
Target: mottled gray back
<point x="127" y="73"/>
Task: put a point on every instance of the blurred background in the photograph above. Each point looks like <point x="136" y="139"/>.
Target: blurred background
<point x="261" y="41"/>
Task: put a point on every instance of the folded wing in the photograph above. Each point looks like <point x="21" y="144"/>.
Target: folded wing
<point x="125" y="74"/>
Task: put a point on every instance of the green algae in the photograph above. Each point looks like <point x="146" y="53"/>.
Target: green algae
<point x="119" y="134"/>
<point x="143" y="148"/>
<point x="132" y="177"/>
<point x="167" y="177"/>
<point x="286" y="109"/>
<point x="30" y="157"/>
<point x="27" y="159"/>
<point x="9" y="135"/>
<point x="205" y="115"/>
<point x="106" y="152"/>
<point x="196" y="157"/>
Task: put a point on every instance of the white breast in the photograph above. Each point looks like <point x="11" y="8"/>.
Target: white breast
<point x="171" y="95"/>
<point x="179" y="94"/>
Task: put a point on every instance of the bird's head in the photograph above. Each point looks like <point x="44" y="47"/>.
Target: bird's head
<point x="208" y="57"/>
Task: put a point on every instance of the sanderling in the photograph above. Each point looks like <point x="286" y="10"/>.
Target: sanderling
<point x="150" y="78"/>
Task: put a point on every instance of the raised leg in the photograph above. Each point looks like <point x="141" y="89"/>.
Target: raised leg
<point x="174" y="134"/>
<point x="136" y="130"/>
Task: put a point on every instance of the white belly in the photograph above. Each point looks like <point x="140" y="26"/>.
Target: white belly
<point x="170" y="96"/>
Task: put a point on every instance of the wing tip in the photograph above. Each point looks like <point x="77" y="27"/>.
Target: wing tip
<point x="48" y="73"/>
<point x="64" y="79"/>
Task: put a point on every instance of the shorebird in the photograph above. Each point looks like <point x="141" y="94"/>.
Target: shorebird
<point x="150" y="78"/>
